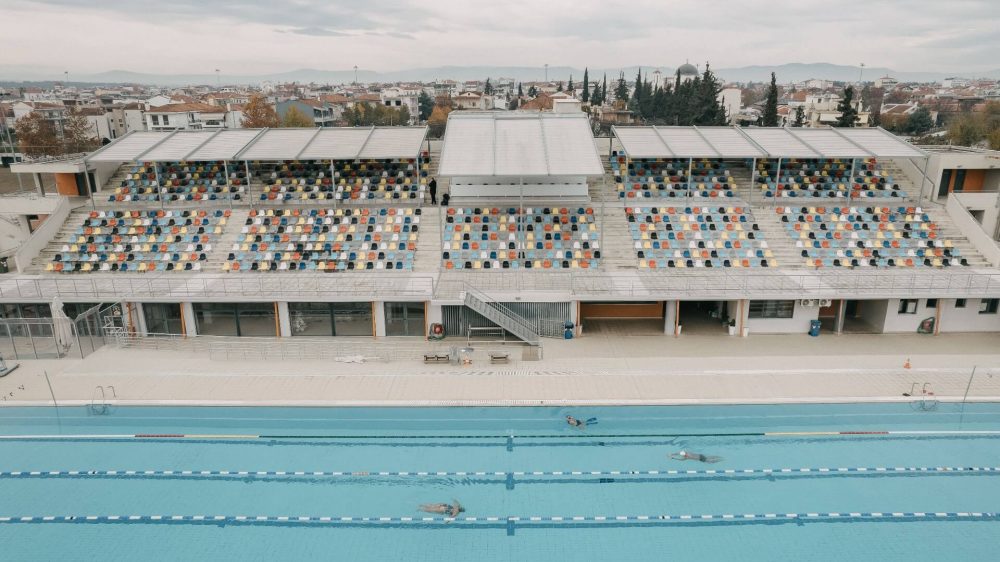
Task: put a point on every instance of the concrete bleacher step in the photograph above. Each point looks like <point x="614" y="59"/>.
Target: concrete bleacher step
<point x="781" y="244"/>
<point x="427" y="258"/>
<point x="617" y="251"/>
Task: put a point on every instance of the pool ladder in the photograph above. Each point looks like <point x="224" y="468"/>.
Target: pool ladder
<point x="926" y="401"/>
<point x="99" y="405"/>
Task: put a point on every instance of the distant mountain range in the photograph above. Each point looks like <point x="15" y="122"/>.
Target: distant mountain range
<point x="791" y="72"/>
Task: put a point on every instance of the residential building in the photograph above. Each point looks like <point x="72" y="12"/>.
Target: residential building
<point x="319" y="111"/>
<point x="185" y="116"/>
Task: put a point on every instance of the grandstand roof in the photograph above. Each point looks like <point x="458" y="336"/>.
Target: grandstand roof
<point x="265" y="144"/>
<point x="519" y="144"/>
<point x="762" y="142"/>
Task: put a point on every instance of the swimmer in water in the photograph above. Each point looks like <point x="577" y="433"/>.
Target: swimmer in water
<point x="450" y="509"/>
<point x="689" y="456"/>
<point x="580" y="424"/>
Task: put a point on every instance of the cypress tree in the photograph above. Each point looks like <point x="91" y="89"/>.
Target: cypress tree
<point x="604" y="89"/>
<point x="595" y="97"/>
<point x="520" y="91"/>
<point x="800" y="117"/>
<point x="770" y="117"/>
<point x="569" y="88"/>
<point x="848" y="114"/>
<point x="586" y="85"/>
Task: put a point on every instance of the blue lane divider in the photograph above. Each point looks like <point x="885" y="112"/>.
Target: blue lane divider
<point x="507" y="474"/>
<point x="508" y="521"/>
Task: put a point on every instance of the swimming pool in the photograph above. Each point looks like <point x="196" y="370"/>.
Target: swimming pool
<point x="305" y="483"/>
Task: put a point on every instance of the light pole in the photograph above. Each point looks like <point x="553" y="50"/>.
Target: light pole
<point x="218" y="78"/>
<point x="861" y="73"/>
<point x="355" y="75"/>
<point x="546" y="72"/>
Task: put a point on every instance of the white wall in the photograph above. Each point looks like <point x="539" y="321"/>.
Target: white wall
<point x="894" y="322"/>
<point x="967" y="319"/>
<point x="797" y="324"/>
<point x="42" y="236"/>
<point x="979" y="237"/>
<point x="969" y="160"/>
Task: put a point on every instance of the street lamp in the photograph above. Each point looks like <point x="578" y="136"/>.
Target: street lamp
<point x="546" y="72"/>
<point x="861" y="73"/>
<point x="355" y="75"/>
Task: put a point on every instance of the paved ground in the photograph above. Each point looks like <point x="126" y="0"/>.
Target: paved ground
<point x="597" y="370"/>
<point x="8" y="181"/>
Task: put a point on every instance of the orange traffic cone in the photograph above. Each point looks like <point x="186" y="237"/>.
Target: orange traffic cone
<point x="906" y="364"/>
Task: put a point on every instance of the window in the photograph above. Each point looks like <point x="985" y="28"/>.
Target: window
<point x="162" y="318"/>
<point x="959" y="303"/>
<point x="235" y="319"/>
<point x="331" y="318"/>
<point x="931" y="303"/>
<point x="156" y="119"/>
<point x="404" y="319"/>
<point x="907" y="306"/>
<point x="772" y="309"/>
<point x="166" y="120"/>
<point x="988" y="306"/>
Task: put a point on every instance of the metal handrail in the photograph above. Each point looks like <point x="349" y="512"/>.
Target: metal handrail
<point x="503" y="309"/>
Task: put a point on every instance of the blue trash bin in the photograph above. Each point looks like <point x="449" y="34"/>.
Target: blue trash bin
<point x="814" y="327"/>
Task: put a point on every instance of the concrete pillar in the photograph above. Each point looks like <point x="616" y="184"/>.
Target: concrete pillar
<point x="574" y="317"/>
<point x="742" y="316"/>
<point x="284" y="321"/>
<point x="187" y="314"/>
<point x="670" y="318"/>
<point x="38" y="183"/>
<point x="841" y="316"/>
<point x="435" y="313"/>
<point x="378" y="312"/>
<point x="140" y="319"/>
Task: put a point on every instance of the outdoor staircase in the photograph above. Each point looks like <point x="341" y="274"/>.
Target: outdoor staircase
<point x="617" y="250"/>
<point x="501" y="316"/>
<point x="427" y="258"/>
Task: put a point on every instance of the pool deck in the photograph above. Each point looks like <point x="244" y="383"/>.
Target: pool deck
<point x="611" y="369"/>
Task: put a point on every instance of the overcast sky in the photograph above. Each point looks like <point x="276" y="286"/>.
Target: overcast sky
<point x="257" y="36"/>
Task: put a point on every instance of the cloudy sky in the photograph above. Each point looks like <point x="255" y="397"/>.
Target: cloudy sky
<point x="260" y="36"/>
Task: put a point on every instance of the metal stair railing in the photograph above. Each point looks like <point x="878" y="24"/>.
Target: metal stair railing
<point x="501" y="316"/>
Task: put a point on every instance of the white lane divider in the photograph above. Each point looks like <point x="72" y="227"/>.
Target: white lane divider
<point x="609" y="519"/>
<point x="429" y="474"/>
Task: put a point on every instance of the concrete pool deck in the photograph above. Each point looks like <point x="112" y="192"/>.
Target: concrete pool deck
<point x="612" y="369"/>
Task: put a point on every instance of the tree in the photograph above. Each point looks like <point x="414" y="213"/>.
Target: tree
<point x="848" y="113"/>
<point x="604" y="89"/>
<point x="709" y="107"/>
<point x="520" y="91"/>
<point x="965" y="131"/>
<point x="78" y="133"/>
<point x="365" y="115"/>
<point x="36" y="136"/>
<point x="770" y="117"/>
<point x="532" y="91"/>
<point x="425" y="104"/>
<point x="919" y="122"/>
<point x="488" y="88"/>
<point x="559" y="88"/>
<point x="513" y="104"/>
<point x="258" y="114"/>
<point x="438" y="120"/>
<point x="295" y="118"/>
<point x="586" y="85"/>
<point x="569" y="88"/>
<point x="621" y="90"/>
<point x="595" y="97"/>
<point x="800" y="116"/>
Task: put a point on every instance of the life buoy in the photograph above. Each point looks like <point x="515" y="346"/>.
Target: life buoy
<point x="437" y="330"/>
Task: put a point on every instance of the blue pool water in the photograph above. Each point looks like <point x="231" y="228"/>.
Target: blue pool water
<point x="502" y="443"/>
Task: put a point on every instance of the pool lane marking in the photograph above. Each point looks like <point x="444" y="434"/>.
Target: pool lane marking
<point x="508" y="520"/>
<point x="251" y="437"/>
<point x="466" y="473"/>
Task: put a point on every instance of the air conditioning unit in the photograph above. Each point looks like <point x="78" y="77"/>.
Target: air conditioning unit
<point x="825" y="302"/>
<point x="807" y="302"/>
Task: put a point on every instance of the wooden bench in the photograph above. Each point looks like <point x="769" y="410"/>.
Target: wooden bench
<point x="499" y="357"/>
<point x="437" y="358"/>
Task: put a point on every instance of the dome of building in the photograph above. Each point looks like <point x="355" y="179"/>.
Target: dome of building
<point x="688" y="69"/>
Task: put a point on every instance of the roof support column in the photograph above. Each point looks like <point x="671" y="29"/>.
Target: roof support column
<point x="850" y="184"/>
<point x="246" y="164"/>
<point x="156" y="174"/>
<point x="777" y="180"/>
<point x="90" y="188"/>
<point x="753" y="179"/>
<point x="229" y="194"/>
<point x="690" y="172"/>
<point x="333" y="186"/>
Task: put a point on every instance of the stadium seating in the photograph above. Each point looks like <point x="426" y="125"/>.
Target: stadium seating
<point x="645" y="178"/>
<point x="161" y="240"/>
<point x="326" y="240"/>
<point x="503" y="238"/>
<point x="826" y="178"/>
<point x="708" y="236"/>
<point x="179" y="182"/>
<point x="868" y="237"/>
<point x="360" y="181"/>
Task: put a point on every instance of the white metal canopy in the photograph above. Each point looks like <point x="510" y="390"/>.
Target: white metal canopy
<point x="762" y="142"/>
<point x="519" y="144"/>
<point x="336" y="143"/>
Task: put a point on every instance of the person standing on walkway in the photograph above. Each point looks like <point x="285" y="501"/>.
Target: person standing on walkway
<point x="433" y="187"/>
